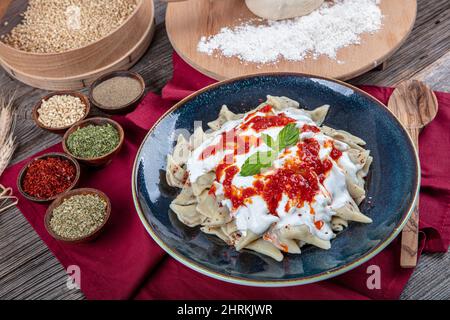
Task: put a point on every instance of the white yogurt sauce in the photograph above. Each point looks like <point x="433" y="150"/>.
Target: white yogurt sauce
<point x="254" y="215"/>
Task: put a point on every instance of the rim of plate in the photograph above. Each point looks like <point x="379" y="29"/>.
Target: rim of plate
<point x="269" y="282"/>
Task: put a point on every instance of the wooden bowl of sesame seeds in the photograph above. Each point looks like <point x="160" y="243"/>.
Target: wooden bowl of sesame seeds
<point x="73" y="224"/>
<point x="58" y="111"/>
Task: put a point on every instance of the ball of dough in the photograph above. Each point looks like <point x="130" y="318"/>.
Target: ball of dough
<point x="282" y="9"/>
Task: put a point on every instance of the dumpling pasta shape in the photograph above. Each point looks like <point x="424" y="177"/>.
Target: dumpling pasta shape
<point x="271" y="180"/>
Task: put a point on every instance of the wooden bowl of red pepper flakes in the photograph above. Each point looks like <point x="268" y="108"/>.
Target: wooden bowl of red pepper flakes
<point x="46" y="177"/>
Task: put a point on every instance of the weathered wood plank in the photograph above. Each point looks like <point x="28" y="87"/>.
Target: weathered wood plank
<point x="28" y="270"/>
<point x="428" y="42"/>
<point x="437" y="74"/>
<point x="430" y="279"/>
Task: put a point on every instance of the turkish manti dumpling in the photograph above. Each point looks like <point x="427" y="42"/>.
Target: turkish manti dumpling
<point x="270" y="180"/>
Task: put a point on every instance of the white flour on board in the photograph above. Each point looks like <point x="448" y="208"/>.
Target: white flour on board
<point x="335" y="25"/>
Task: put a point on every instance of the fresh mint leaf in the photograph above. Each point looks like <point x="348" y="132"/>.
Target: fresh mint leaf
<point x="289" y="136"/>
<point x="268" y="140"/>
<point x="256" y="162"/>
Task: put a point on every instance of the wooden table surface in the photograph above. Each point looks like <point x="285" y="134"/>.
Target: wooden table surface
<point x="28" y="270"/>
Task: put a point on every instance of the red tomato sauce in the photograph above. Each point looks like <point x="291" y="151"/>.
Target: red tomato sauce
<point x="335" y="154"/>
<point x="298" y="179"/>
<point x="260" y="123"/>
<point x="238" y="196"/>
<point x="226" y="138"/>
<point x="230" y="140"/>
<point x="212" y="190"/>
<point x="319" y="224"/>
<point x="309" y="128"/>
<point x="308" y="153"/>
<point x="221" y="169"/>
<point x="266" y="109"/>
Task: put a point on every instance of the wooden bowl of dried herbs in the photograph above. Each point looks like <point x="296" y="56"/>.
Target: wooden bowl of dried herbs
<point x="46" y="177"/>
<point x="94" y="141"/>
<point x="78" y="216"/>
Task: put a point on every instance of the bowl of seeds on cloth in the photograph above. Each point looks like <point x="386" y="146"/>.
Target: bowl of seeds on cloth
<point x="78" y="216"/>
<point x="58" y="111"/>
<point x="117" y="91"/>
<point x="94" y="141"/>
<point x="59" y="45"/>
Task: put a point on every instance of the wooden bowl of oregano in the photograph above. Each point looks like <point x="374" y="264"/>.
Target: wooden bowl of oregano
<point x="94" y="141"/>
<point x="78" y="216"/>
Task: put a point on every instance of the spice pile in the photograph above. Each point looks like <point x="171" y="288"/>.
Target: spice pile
<point x="60" y="111"/>
<point x="117" y="92"/>
<point x="52" y="26"/>
<point x="93" y="141"/>
<point x="46" y="178"/>
<point x="78" y="216"/>
<point x="335" y="25"/>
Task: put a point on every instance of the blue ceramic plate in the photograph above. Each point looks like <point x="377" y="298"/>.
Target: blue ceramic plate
<point x="392" y="185"/>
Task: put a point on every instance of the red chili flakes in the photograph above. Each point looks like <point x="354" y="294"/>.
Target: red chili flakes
<point x="310" y="128"/>
<point x="296" y="182"/>
<point x="266" y="109"/>
<point x="319" y="224"/>
<point x="236" y="195"/>
<point x="46" y="178"/>
<point x="213" y="190"/>
<point x="284" y="247"/>
<point x="298" y="179"/>
<point x="260" y="123"/>
<point x="335" y="154"/>
<point x="230" y="140"/>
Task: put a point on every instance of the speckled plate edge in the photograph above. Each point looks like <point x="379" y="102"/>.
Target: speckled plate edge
<point x="275" y="283"/>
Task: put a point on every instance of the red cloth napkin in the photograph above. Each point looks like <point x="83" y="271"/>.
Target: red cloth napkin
<point x="125" y="263"/>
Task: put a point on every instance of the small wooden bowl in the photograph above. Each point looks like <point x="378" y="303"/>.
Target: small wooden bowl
<point x="125" y="108"/>
<point x="61" y="130"/>
<point x="99" y="161"/>
<point x="59" y="200"/>
<point x="21" y="176"/>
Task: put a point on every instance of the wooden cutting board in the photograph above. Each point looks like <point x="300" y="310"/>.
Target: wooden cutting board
<point x="188" y="21"/>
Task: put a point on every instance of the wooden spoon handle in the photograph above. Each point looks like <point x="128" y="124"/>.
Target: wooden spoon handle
<point x="410" y="233"/>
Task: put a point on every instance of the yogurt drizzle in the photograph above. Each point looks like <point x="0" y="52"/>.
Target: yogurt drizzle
<point x="254" y="213"/>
